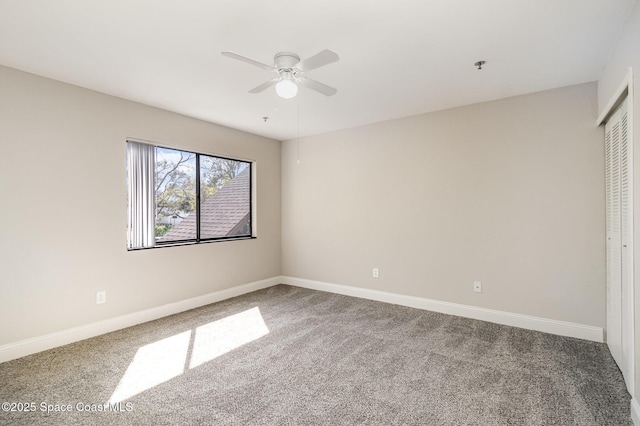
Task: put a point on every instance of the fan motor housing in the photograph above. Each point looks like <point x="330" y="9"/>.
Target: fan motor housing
<point x="286" y="60"/>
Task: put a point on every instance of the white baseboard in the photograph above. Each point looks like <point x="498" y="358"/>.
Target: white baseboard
<point x="635" y="412"/>
<point x="37" y="344"/>
<point x="561" y="328"/>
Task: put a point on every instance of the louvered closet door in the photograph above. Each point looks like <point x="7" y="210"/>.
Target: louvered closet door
<point x="626" y="236"/>
<point x="618" y="229"/>
<point x="614" y="247"/>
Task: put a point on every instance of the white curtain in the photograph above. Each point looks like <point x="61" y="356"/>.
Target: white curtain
<point x="142" y="205"/>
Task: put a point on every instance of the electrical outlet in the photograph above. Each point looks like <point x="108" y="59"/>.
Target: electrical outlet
<point x="477" y="286"/>
<point x="101" y="297"/>
<point x="376" y="273"/>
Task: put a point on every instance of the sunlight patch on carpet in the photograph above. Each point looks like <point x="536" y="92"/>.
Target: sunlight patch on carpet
<point x="165" y="359"/>
<point x="219" y="337"/>
<point x="153" y="364"/>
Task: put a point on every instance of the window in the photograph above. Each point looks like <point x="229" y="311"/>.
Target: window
<point x="179" y="196"/>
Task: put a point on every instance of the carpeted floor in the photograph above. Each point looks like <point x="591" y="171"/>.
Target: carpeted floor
<point x="293" y="356"/>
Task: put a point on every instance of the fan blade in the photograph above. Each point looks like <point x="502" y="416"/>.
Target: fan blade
<point x="317" y="86"/>
<point x="249" y="61"/>
<point x="321" y="59"/>
<point x="264" y="86"/>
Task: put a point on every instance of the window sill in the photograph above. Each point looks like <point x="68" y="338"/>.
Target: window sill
<point x="192" y="243"/>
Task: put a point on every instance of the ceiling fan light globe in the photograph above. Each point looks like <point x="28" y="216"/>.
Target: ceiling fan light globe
<point x="286" y="89"/>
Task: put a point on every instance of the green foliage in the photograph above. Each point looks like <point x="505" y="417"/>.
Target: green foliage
<point x="175" y="185"/>
<point x="207" y="191"/>
<point x="175" y="181"/>
<point x="216" y="172"/>
<point x="162" y="229"/>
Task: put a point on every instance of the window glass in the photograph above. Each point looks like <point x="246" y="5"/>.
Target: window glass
<point x="225" y="198"/>
<point x="175" y="186"/>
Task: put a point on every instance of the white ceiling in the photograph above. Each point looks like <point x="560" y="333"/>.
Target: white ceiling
<point x="397" y="57"/>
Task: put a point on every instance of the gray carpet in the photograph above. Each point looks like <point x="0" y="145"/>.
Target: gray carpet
<point x="326" y="359"/>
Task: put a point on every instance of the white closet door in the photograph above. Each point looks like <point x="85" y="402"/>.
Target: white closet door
<point x="614" y="246"/>
<point x="619" y="239"/>
<point x="626" y="236"/>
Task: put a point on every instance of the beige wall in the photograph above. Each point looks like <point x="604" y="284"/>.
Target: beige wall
<point x="509" y="192"/>
<point x="627" y="54"/>
<point x="63" y="214"/>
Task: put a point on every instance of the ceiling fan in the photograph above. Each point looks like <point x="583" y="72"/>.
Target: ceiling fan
<point x="291" y="72"/>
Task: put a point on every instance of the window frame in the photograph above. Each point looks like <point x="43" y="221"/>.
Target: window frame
<point x="197" y="240"/>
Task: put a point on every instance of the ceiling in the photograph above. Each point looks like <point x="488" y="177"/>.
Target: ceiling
<point x="397" y="57"/>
